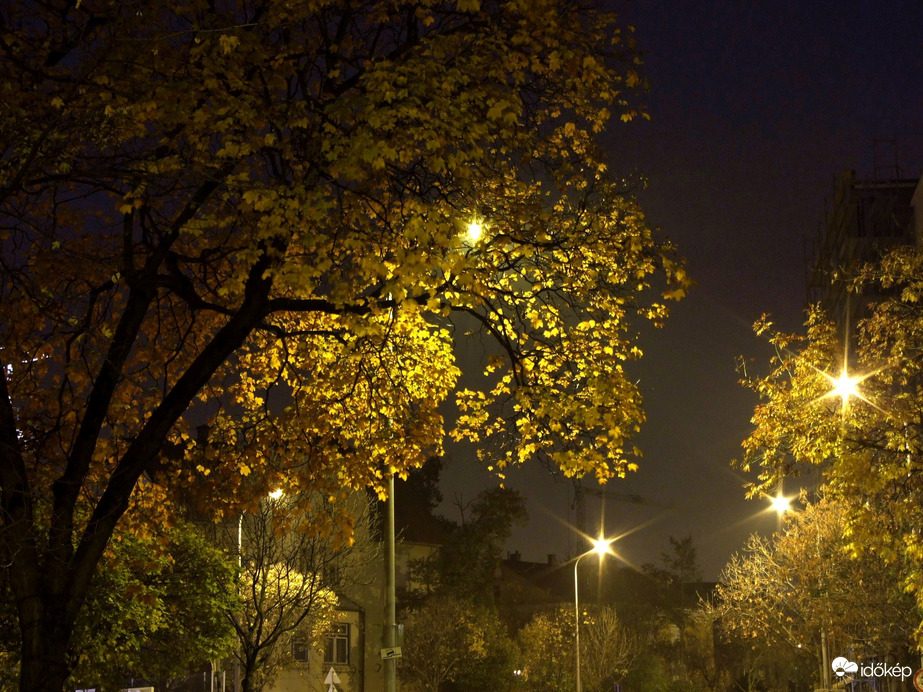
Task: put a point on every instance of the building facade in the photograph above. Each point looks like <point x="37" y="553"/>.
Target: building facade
<point x="352" y="646"/>
<point x="864" y="219"/>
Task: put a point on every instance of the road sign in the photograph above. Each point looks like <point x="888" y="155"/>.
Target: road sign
<point x="391" y="652"/>
<point x="332" y="678"/>
<point x="918" y="680"/>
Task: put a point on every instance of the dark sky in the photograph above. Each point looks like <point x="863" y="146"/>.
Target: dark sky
<point x="755" y="107"/>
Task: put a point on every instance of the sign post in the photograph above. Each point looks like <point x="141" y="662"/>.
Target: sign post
<point x="390" y="652"/>
<point x="332" y="680"/>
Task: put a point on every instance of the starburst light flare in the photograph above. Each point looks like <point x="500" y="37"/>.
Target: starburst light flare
<point x="781" y="504"/>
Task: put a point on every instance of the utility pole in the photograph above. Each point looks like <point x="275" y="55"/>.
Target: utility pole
<point x="390" y="598"/>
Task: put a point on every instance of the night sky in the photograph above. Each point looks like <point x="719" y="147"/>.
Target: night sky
<point x="755" y="107"/>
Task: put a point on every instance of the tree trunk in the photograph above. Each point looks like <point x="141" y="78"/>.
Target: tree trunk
<point x="248" y="678"/>
<point x="45" y="641"/>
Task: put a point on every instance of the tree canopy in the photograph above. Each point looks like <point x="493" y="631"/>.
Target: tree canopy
<point x="156" y="610"/>
<point x="256" y="215"/>
<point x="455" y="640"/>
<point x="608" y="650"/>
<point x="865" y="442"/>
<point x="290" y="577"/>
<point x="790" y="590"/>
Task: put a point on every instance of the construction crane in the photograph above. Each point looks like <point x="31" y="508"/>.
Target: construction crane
<point x="579" y="503"/>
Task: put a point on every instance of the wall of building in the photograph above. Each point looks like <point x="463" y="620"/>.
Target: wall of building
<point x="361" y="618"/>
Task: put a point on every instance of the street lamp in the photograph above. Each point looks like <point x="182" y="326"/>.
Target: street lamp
<point x="780" y="504"/>
<point x="846" y="387"/>
<point x="474" y="231"/>
<point x="600" y="547"/>
<point x="274" y="495"/>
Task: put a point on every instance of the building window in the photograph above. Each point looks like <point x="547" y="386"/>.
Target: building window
<point x="336" y="645"/>
<point x="300" y="650"/>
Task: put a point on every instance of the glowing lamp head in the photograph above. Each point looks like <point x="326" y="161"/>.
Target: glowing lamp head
<point x="845" y="387"/>
<point x="781" y="504"/>
<point x="276" y="494"/>
<point x="601" y="546"/>
<point x="474" y="232"/>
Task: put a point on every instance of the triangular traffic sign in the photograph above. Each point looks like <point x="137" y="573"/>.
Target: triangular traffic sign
<point x="332" y="678"/>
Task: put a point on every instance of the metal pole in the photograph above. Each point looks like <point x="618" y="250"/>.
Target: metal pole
<point x="577" y="621"/>
<point x="826" y="663"/>
<point x="390" y="608"/>
<point x="240" y="567"/>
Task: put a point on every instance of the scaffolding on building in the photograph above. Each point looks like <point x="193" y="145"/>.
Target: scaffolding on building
<point x="865" y="218"/>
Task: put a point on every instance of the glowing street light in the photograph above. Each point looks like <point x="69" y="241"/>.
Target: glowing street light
<point x="781" y="504"/>
<point x="845" y="386"/>
<point x="474" y="231"/>
<point x="274" y="495"/>
<point x="600" y="547"/>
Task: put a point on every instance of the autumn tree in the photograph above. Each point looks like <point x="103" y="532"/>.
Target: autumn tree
<point x="547" y="646"/>
<point x="256" y="215"/>
<point x="865" y="439"/>
<point x="608" y="650"/>
<point x="675" y="577"/>
<point x="156" y="611"/>
<point x="446" y="640"/>
<point x="291" y="576"/>
<point x="799" y="588"/>
<point x="462" y="573"/>
<point x="465" y="564"/>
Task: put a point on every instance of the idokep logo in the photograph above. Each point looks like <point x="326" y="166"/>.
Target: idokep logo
<point x="842" y="666"/>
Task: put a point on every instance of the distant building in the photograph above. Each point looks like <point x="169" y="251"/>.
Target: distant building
<point x="353" y="643"/>
<point x="865" y="218"/>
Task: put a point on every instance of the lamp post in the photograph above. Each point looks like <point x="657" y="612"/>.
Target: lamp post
<point x="600" y="547"/>
<point x="390" y="665"/>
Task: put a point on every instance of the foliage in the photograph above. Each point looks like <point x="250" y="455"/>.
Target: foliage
<point x="788" y="590"/>
<point x="679" y="571"/>
<point x="703" y="660"/>
<point x="253" y="214"/>
<point x="289" y="575"/>
<point x="157" y="609"/>
<point x="650" y="673"/>
<point x="682" y="564"/>
<point x="868" y="446"/>
<point x="497" y="670"/>
<point x="608" y="650"/>
<point x="547" y="646"/>
<point x="468" y="558"/>
<point x="461" y="573"/>
<point x="445" y="639"/>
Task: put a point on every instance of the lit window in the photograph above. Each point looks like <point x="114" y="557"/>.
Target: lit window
<point x="336" y="645"/>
